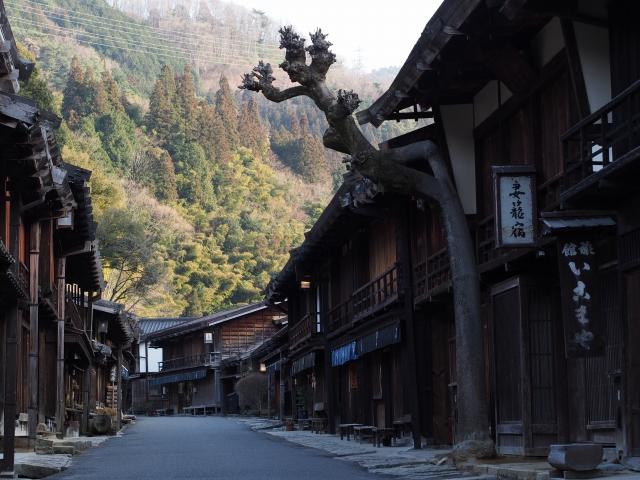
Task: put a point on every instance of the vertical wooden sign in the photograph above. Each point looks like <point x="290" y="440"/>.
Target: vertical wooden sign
<point x="578" y="265"/>
<point x="516" y="214"/>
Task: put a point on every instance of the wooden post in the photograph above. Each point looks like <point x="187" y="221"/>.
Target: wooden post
<point x="86" y="388"/>
<point x="411" y="377"/>
<point x="12" y="324"/>
<point x="61" y="267"/>
<point x="34" y="348"/>
<point x="268" y="394"/>
<point x="119" y="387"/>
<point x="283" y="387"/>
<point x="12" y="321"/>
<point x="329" y="390"/>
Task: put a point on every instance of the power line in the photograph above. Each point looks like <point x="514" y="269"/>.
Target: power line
<point x="117" y="47"/>
<point x="127" y="26"/>
<point x="103" y="38"/>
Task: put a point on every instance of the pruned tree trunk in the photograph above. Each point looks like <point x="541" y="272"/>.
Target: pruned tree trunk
<point x="389" y="172"/>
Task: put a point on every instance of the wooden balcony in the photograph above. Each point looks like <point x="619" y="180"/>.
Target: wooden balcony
<point x="306" y="328"/>
<point x="602" y="145"/>
<point x="340" y="315"/>
<point x="73" y="316"/>
<point x="379" y="293"/>
<point x="201" y="360"/>
<point x="431" y="276"/>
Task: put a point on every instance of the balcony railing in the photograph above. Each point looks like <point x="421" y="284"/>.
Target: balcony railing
<point x="200" y="360"/>
<point x="340" y="315"/>
<point x="305" y="329"/>
<point x="377" y="294"/>
<point x="73" y="315"/>
<point x="431" y="276"/>
<point x="603" y="137"/>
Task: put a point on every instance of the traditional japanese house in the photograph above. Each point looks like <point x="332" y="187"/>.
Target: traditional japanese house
<point x="200" y="358"/>
<point x="271" y="356"/>
<point x="144" y="397"/>
<point x="352" y="335"/>
<point x="113" y="338"/>
<point x="35" y="194"/>
<point x="535" y="107"/>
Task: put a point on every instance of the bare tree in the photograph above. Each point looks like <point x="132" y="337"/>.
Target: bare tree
<point x="390" y="173"/>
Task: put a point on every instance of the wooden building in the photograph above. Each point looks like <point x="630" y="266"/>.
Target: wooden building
<point x="50" y="269"/>
<point x="352" y="332"/>
<point x="534" y="104"/>
<point x="201" y="358"/>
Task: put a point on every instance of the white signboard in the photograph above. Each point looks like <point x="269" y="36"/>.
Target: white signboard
<point x="516" y="215"/>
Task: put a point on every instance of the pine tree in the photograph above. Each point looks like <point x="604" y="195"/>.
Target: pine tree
<point x="187" y="104"/>
<point x="226" y="109"/>
<point x="162" y="113"/>
<point x="213" y="136"/>
<point x="72" y="99"/>
<point x="250" y="130"/>
<point x="112" y="92"/>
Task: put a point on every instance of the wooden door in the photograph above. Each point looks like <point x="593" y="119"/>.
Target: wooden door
<point x="525" y="351"/>
<point x="632" y="288"/>
<point x="603" y="373"/>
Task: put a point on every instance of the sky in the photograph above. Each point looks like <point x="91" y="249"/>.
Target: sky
<point x="370" y="34"/>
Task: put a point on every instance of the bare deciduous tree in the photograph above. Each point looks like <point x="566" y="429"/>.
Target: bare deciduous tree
<point x="389" y="171"/>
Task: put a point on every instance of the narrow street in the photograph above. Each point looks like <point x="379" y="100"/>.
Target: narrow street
<point x="204" y="447"/>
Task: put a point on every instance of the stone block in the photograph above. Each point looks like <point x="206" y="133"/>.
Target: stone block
<point x="64" y="449"/>
<point x="577" y="457"/>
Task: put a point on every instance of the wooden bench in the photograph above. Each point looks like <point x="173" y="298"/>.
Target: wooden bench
<point x="304" y="423"/>
<point x="364" y="432"/>
<point x="319" y="424"/>
<point x="187" y="410"/>
<point x="402" y="425"/>
<point x="161" y="412"/>
<point x="347" y="429"/>
<point x="380" y="435"/>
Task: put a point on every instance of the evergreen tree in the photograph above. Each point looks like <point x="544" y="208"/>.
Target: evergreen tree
<point x="162" y="114"/>
<point x="226" y="109"/>
<point x="72" y="99"/>
<point x="187" y="104"/>
<point x="250" y="130"/>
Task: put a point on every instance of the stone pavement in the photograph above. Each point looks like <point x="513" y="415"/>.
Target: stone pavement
<point x="432" y="464"/>
<point x="403" y="462"/>
<point x="53" y="455"/>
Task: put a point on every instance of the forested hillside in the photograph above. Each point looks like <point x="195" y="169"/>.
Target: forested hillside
<point x="199" y="191"/>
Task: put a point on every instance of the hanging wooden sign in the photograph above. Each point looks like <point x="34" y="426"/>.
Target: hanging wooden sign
<point x="514" y="188"/>
<point x="578" y="265"/>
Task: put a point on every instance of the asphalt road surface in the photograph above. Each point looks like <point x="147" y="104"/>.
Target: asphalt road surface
<point x="205" y="447"/>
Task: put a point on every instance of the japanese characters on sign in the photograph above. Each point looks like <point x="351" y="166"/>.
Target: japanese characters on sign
<point x="515" y="206"/>
<point x="578" y="276"/>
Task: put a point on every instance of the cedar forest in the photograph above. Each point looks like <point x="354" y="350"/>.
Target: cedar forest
<point x="199" y="190"/>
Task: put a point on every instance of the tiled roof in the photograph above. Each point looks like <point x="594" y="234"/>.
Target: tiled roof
<point x="152" y="325"/>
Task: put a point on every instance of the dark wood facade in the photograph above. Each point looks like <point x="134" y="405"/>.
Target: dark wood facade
<point x="566" y="106"/>
<point x="202" y="359"/>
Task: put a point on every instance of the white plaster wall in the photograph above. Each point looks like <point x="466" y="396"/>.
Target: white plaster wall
<point x="458" y="123"/>
<point x="488" y="100"/>
<point x="485" y="102"/>
<point x="593" y="48"/>
<point x="547" y="43"/>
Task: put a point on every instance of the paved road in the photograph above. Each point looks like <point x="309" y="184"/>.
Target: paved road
<point x="205" y="447"/>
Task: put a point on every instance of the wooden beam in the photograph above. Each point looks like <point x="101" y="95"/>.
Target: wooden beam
<point x="409" y="115"/>
<point x="61" y="267"/>
<point x="578" y="85"/>
<point x="12" y="326"/>
<point x="509" y="66"/>
<point x="34" y="347"/>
